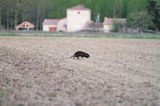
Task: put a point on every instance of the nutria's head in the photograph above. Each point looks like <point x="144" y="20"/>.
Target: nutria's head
<point x="87" y="55"/>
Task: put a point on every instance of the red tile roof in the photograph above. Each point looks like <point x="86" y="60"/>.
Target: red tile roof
<point x="78" y="7"/>
<point x="51" y="21"/>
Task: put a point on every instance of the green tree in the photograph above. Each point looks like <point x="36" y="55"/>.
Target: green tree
<point x="154" y="10"/>
<point x="139" y="20"/>
<point x="118" y="26"/>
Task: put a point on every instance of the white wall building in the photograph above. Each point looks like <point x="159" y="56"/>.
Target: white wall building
<point x="50" y="25"/>
<point x="62" y="25"/>
<point x="77" y="17"/>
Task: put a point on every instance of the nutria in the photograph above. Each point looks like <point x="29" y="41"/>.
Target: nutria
<point x="80" y="54"/>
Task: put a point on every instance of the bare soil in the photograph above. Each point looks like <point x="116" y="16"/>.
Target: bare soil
<point x="37" y="71"/>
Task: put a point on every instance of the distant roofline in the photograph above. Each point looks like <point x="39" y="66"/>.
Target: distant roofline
<point x="79" y="7"/>
<point x="113" y="18"/>
<point x="50" y="21"/>
<point x="109" y="21"/>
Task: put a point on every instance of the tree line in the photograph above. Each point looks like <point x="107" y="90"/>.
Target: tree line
<point x="13" y="12"/>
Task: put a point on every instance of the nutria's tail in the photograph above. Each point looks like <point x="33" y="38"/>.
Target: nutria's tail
<point x="72" y="56"/>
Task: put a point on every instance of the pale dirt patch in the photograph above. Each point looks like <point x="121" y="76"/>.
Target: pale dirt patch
<point x="37" y="71"/>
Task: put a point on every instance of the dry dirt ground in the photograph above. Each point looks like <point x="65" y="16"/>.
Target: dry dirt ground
<point x="37" y="71"/>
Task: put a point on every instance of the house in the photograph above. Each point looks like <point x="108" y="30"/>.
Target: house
<point x="93" y="26"/>
<point x="62" y="25"/>
<point x="25" y="26"/>
<point x="108" y="23"/>
<point x="50" y="25"/>
<point x="54" y="25"/>
<point x="77" y="17"/>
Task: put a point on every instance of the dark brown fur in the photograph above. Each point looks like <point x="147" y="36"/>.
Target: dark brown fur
<point x="80" y="54"/>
